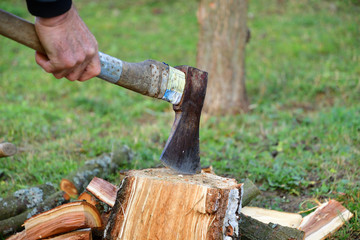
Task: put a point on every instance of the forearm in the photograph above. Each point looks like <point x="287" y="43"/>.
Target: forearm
<point x="48" y="8"/>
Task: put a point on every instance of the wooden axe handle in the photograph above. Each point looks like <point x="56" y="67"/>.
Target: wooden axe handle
<point x="150" y="77"/>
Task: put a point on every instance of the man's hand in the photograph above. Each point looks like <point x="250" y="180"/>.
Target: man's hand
<point x="71" y="49"/>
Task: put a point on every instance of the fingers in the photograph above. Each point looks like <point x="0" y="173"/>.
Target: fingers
<point x="82" y="69"/>
<point x="71" y="49"/>
<point x="91" y="70"/>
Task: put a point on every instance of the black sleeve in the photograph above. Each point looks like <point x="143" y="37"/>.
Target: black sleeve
<point x="48" y="8"/>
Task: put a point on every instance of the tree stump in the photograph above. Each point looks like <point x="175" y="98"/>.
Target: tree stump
<point x="160" y="204"/>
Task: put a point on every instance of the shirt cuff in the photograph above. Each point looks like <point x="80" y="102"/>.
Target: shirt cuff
<point x="48" y="8"/>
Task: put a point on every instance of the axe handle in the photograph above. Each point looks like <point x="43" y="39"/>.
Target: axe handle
<point x="150" y="77"/>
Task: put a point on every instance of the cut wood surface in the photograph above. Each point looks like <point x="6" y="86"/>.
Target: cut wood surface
<point x="24" y="199"/>
<point x="7" y="149"/>
<point x="13" y="224"/>
<point x="252" y="229"/>
<point x="103" y="190"/>
<point x="102" y="166"/>
<point x="325" y="220"/>
<point x="62" y="219"/>
<point x="83" y="234"/>
<point x="160" y="204"/>
<point x="266" y="216"/>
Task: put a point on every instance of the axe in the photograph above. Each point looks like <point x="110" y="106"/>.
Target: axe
<point x="183" y="86"/>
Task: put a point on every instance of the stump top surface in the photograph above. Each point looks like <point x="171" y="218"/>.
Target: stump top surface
<point x="205" y="179"/>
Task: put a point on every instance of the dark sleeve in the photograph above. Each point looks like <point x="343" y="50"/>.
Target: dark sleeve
<point x="48" y="8"/>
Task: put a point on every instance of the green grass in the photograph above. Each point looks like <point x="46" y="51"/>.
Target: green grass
<point x="300" y="141"/>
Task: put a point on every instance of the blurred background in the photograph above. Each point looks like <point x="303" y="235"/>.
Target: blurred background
<point x="299" y="139"/>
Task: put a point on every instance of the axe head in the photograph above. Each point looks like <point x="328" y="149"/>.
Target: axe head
<point x="181" y="152"/>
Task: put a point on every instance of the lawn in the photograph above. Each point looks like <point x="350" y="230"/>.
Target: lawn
<point x="299" y="143"/>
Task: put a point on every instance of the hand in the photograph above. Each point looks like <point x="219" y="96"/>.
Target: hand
<point x="71" y="49"/>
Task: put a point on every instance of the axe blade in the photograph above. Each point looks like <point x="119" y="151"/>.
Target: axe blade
<point x="181" y="152"/>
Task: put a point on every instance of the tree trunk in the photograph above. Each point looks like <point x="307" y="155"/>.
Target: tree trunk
<point x="221" y="52"/>
<point x="160" y="204"/>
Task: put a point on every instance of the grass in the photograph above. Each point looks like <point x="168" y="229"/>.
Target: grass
<point x="301" y="141"/>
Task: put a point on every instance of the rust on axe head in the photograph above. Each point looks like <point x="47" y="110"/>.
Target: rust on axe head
<point x="181" y="152"/>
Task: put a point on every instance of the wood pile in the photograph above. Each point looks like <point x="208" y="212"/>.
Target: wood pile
<point x="160" y="204"/>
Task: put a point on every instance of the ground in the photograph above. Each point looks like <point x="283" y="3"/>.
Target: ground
<point x="300" y="143"/>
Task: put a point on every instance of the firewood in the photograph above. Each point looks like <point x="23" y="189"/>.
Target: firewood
<point x="7" y="149"/>
<point x="62" y="219"/>
<point x="103" y="190"/>
<point x="86" y="196"/>
<point x="13" y="224"/>
<point x="102" y="166"/>
<point x="82" y="234"/>
<point x="160" y="204"/>
<point x="252" y="229"/>
<point x="24" y="199"/>
<point x="18" y="236"/>
<point x="250" y="192"/>
<point x="266" y="216"/>
<point x="325" y="220"/>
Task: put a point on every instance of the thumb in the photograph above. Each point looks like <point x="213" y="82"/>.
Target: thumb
<point x="44" y="62"/>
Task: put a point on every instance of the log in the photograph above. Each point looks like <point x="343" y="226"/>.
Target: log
<point x="252" y="229"/>
<point x="13" y="224"/>
<point x="62" y="219"/>
<point x="325" y="220"/>
<point x="7" y="149"/>
<point x="250" y="192"/>
<point x="18" y="236"/>
<point x="266" y="216"/>
<point x="82" y="234"/>
<point x="160" y="204"/>
<point x="103" y="190"/>
<point x="24" y="199"/>
<point x="102" y="166"/>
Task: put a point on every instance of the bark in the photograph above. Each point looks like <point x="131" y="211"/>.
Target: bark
<point x="252" y="229"/>
<point x="7" y="149"/>
<point x="13" y="224"/>
<point x="250" y="192"/>
<point x="160" y="204"/>
<point x="24" y="199"/>
<point x="221" y="52"/>
<point x="102" y="166"/>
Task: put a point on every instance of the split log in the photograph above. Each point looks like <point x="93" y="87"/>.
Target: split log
<point x="24" y="199"/>
<point x="325" y="220"/>
<point x="7" y="149"/>
<point x="13" y="224"/>
<point x="19" y="236"/>
<point x="83" y="234"/>
<point x="252" y="229"/>
<point x="103" y="190"/>
<point x="102" y="166"/>
<point x="62" y="219"/>
<point x="266" y="216"/>
<point x="159" y="204"/>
